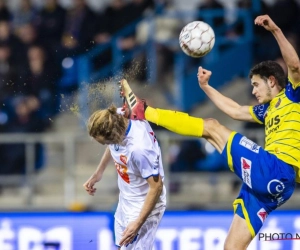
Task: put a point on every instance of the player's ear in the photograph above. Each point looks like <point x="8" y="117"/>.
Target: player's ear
<point x="273" y="81"/>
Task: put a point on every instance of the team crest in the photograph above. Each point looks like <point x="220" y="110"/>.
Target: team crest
<point x="123" y="159"/>
<point x="278" y="103"/>
<point x="122" y="171"/>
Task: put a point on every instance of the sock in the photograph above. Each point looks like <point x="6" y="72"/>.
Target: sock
<point x="178" y="122"/>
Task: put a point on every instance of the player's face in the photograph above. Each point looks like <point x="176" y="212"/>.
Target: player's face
<point x="261" y="89"/>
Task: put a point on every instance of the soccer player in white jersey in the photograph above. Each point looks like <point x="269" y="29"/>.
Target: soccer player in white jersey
<point x="137" y="156"/>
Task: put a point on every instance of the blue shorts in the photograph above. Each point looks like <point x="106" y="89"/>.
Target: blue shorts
<point x="268" y="182"/>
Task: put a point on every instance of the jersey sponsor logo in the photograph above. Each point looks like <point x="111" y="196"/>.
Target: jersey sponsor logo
<point x="123" y="159"/>
<point x="274" y="121"/>
<point x="245" y="142"/>
<point x="122" y="171"/>
<point x="275" y="187"/>
<point x="116" y="147"/>
<point x="262" y="214"/>
<point x="246" y="166"/>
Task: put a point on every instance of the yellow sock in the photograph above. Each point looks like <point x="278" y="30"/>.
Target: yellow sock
<point x="178" y="122"/>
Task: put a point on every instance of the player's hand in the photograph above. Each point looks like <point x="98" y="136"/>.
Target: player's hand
<point x="130" y="234"/>
<point x="203" y="77"/>
<point x="89" y="184"/>
<point x="266" y="22"/>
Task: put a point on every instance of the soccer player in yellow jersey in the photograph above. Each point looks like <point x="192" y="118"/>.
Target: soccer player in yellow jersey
<point x="268" y="174"/>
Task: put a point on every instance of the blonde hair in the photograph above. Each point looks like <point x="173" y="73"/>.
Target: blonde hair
<point x="108" y="124"/>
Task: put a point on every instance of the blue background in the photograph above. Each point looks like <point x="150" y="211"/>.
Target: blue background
<point x="93" y="231"/>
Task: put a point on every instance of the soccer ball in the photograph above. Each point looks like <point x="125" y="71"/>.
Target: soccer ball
<point x="196" y="39"/>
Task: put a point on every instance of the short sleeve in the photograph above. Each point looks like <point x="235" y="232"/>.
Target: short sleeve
<point x="147" y="162"/>
<point x="258" y="112"/>
<point x="292" y="91"/>
<point x="294" y="84"/>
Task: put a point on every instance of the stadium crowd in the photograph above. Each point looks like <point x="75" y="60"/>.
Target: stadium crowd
<point x="34" y="41"/>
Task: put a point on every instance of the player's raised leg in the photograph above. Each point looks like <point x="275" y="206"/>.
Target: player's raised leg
<point x="132" y="105"/>
<point x="178" y="122"/>
<point x="183" y="124"/>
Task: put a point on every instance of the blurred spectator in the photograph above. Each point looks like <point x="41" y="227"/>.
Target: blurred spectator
<point x="190" y="152"/>
<point x="40" y="82"/>
<point x="113" y="19"/>
<point x="26" y="13"/>
<point x="285" y="14"/>
<point x="212" y="5"/>
<point x="27" y="34"/>
<point x="237" y="28"/>
<point x="167" y="29"/>
<point x="8" y="75"/>
<point x="138" y="8"/>
<point x="4" y="12"/>
<point x="25" y="120"/>
<point x="117" y="16"/>
<point x="4" y="31"/>
<point x="79" y="28"/>
<point x="6" y="36"/>
<point x="51" y="21"/>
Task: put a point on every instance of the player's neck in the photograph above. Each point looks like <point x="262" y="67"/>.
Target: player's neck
<point x="276" y="91"/>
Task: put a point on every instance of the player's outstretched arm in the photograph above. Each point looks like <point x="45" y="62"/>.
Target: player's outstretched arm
<point x="288" y="52"/>
<point x="225" y="104"/>
<point x="97" y="175"/>
<point x="155" y="189"/>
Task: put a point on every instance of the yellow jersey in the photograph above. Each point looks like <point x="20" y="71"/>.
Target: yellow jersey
<point x="281" y="117"/>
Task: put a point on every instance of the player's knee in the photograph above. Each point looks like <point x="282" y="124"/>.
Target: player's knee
<point x="212" y="121"/>
<point x="212" y="124"/>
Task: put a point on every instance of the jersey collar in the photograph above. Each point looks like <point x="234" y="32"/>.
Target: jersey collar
<point x="128" y="128"/>
<point x="277" y="98"/>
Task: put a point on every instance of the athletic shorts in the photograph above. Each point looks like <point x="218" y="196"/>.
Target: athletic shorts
<point x="268" y="182"/>
<point x="146" y="235"/>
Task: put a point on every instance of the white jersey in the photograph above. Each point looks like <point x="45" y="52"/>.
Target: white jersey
<point x="136" y="159"/>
